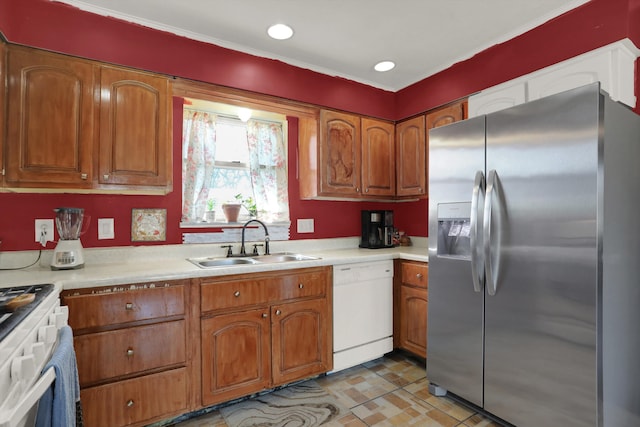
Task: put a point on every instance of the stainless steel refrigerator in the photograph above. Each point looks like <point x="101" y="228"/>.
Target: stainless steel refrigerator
<point x="534" y="262"/>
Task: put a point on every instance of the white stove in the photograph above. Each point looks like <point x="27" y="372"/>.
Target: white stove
<point x="28" y="336"/>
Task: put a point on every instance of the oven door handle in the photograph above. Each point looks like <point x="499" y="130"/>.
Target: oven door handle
<point x="30" y="399"/>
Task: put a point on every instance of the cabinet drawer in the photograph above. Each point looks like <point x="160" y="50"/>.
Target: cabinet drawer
<point x="95" y="310"/>
<point x="298" y="286"/>
<point x="236" y="293"/>
<point x="111" y="354"/>
<point x="139" y="400"/>
<point x="415" y="274"/>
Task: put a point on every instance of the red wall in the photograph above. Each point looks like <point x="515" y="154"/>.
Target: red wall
<point x="58" y="27"/>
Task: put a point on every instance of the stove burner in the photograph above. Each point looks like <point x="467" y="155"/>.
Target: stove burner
<point x="10" y="318"/>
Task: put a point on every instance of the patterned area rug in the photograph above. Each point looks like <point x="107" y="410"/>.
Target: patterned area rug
<point x="301" y="405"/>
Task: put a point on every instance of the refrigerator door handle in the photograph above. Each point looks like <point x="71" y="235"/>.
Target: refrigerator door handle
<point x="491" y="267"/>
<point x="477" y="263"/>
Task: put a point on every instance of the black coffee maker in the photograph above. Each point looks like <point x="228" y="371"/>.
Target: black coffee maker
<point x="377" y="229"/>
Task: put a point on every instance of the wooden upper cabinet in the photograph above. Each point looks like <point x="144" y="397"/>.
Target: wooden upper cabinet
<point x="50" y="112"/>
<point x="378" y="158"/>
<point x="339" y="154"/>
<point x="135" y="129"/>
<point x="446" y="115"/>
<point x="411" y="157"/>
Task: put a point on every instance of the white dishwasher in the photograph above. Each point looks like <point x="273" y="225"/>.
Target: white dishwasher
<point x="362" y="312"/>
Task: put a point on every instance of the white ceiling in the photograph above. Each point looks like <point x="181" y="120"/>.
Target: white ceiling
<point x="345" y="38"/>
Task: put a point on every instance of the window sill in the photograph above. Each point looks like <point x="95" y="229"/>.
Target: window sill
<point x="224" y="232"/>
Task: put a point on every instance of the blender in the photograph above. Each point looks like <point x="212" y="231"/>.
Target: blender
<point x="68" y="252"/>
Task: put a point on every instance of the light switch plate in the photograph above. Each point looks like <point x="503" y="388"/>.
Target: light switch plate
<point x="306" y="225"/>
<point x="105" y="229"/>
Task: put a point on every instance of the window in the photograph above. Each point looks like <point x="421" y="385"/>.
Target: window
<point x="226" y="159"/>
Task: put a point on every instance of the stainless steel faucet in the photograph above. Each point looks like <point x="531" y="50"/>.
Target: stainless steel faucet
<point x="243" y="252"/>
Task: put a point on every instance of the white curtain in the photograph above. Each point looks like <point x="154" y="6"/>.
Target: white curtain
<point x="198" y="155"/>
<point x="268" y="169"/>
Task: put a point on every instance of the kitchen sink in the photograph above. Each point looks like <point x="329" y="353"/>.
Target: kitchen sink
<point x="255" y="259"/>
<point x="284" y="257"/>
<point x="221" y="262"/>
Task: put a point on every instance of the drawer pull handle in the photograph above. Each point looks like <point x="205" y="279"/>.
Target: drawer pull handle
<point x="300" y="285"/>
<point x="83" y="176"/>
<point x="105" y="177"/>
<point x="129" y="352"/>
<point x="265" y="315"/>
<point x="236" y="294"/>
<point x="278" y="312"/>
<point x="128" y="306"/>
<point x="130" y="403"/>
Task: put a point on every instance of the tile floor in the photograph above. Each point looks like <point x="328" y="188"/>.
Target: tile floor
<point x="390" y="391"/>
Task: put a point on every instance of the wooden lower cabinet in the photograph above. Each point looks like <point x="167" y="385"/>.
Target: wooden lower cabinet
<point x="136" y="401"/>
<point x="132" y="348"/>
<point x="301" y="345"/>
<point x="413" y="322"/>
<point x="410" y="306"/>
<point x="235" y="355"/>
<point x="250" y="344"/>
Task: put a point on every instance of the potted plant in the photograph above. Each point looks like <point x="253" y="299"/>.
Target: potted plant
<point x="249" y="204"/>
<point x="210" y="214"/>
<point x="231" y="210"/>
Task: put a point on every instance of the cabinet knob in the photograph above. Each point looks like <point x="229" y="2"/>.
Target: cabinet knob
<point x="83" y="176"/>
<point x="128" y="306"/>
<point x="419" y="275"/>
<point x="357" y="189"/>
<point x="300" y="285"/>
<point x="265" y="315"/>
<point x="129" y="352"/>
<point x="105" y="177"/>
<point x="236" y="294"/>
<point x="130" y="403"/>
<point x="278" y="312"/>
<point x="366" y="190"/>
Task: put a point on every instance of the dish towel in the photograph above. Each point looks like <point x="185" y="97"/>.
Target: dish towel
<point x="57" y="406"/>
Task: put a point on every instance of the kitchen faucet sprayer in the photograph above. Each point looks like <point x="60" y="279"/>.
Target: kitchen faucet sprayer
<point x="266" y="237"/>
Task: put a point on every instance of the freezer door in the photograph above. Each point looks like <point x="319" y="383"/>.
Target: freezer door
<point x="455" y="315"/>
<point x="541" y="304"/>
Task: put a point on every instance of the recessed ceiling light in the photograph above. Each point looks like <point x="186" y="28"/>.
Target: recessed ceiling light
<point x="384" y="66"/>
<point x="280" y="31"/>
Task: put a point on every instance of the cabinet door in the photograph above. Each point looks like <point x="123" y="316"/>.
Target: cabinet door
<point x="411" y="157"/>
<point x="339" y="154"/>
<point x="413" y="320"/>
<point x="378" y="158"/>
<point x="135" y="129"/>
<point x="50" y="120"/>
<point x="235" y="355"/>
<point x="445" y="115"/>
<point x="301" y="333"/>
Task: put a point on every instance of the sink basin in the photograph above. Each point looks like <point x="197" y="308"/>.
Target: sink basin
<point x="257" y="259"/>
<point x="284" y="257"/>
<point x="221" y="262"/>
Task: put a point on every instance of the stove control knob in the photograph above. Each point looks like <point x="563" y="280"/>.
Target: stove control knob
<point x="59" y="317"/>
<point x="48" y="334"/>
<point x="23" y="368"/>
<point x="39" y="351"/>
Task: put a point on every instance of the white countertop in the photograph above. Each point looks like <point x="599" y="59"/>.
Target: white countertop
<point x="129" y="265"/>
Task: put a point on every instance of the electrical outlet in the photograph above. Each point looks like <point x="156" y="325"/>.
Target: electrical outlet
<point x="305" y="225"/>
<point x="44" y="231"/>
